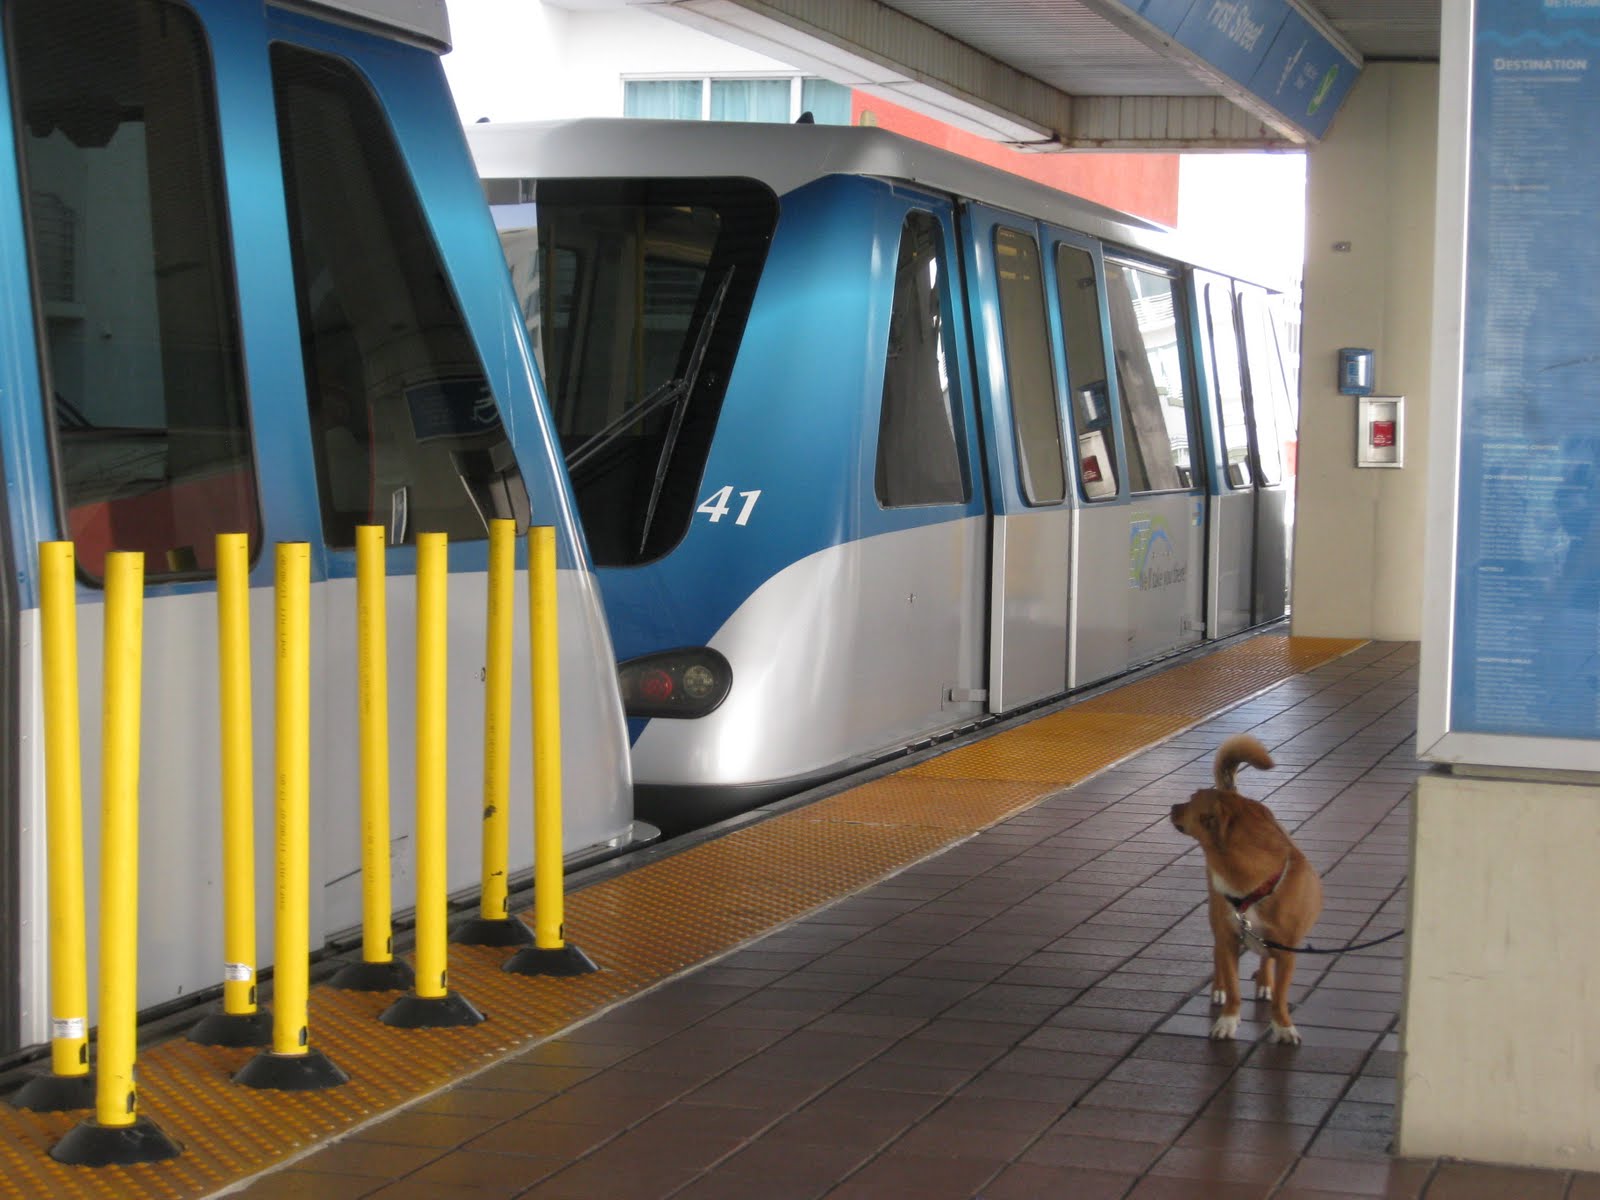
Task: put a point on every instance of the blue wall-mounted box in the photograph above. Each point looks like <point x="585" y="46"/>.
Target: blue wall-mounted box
<point x="1355" y="371"/>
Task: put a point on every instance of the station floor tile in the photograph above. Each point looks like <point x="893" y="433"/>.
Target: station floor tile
<point x="982" y="976"/>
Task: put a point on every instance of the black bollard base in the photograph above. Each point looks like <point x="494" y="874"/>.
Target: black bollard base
<point x="307" y="1072"/>
<point x="91" y="1144"/>
<point x="233" y="1029"/>
<point x="448" y="1011"/>
<point x="563" y="960"/>
<point x="492" y="931"/>
<point x="55" y="1093"/>
<point x="391" y="976"/>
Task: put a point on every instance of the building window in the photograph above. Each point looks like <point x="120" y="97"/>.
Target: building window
<point x="774" y="99"/>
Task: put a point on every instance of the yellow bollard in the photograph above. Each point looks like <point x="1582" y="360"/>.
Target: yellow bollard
<point x="117" y="1134"/>
<point x="241" y="1022"/>
<point x="494" y="926"/>
<point x="289" y="1063"/>
<point x="431" y="1004"/>
<point x="69" y="1084"/>
<point x="378" y="970"/>
<point x="550" y="953"/>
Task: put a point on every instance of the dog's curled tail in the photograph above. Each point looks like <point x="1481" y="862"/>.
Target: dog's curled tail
<point x="1240" y="749"/>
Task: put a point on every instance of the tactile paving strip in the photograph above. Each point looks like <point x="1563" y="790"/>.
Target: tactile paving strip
<point x="641" y="926"/>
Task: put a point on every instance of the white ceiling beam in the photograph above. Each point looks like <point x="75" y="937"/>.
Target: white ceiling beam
<point x="867" y="45"/>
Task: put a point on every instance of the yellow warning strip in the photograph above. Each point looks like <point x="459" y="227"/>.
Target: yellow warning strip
<point x="642" y="927"/>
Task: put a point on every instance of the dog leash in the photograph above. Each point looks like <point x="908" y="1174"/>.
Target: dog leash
<point x="1254" y="941"/>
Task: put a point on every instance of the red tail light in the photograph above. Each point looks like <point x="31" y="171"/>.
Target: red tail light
<point x="675" y="683"/>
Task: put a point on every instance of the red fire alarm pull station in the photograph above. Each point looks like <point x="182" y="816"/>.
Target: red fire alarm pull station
<point x="1380" y="431"/>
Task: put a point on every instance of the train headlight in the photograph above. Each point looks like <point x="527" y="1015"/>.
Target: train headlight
<point x="698" y="681"/>
<point x="675" y="683"/>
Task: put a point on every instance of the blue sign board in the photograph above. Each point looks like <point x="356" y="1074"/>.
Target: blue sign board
<point x="1265" y="46"/>
<point x="1304" y="76"/>
<point x="1525" y="648"/>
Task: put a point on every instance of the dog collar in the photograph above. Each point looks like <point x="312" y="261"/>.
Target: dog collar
<point x="1241" y="904"/>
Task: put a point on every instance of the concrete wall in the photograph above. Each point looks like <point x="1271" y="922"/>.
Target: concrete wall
<point x="1501" y="1046"/>
<point x="1358" y="535"/>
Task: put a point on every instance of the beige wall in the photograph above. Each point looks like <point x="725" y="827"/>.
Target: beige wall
<point x="1358" y="533"/>
<point x="1500" y="1038"/>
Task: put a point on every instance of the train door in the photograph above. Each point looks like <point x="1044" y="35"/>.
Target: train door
<point x="1273" y="431"/>
<point x="131" y="431"/>
<point x="1100" y="626"/>
<point x="1031" y="510"/>
<point x="1232" y="544"/>
<point x="928" y="565"/>
<point x="1165" y="594"/>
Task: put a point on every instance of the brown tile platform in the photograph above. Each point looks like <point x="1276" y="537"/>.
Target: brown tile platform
<point x="1021" y="1016"/>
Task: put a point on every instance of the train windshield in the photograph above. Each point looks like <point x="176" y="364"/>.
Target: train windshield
<point x="635" y="293"/>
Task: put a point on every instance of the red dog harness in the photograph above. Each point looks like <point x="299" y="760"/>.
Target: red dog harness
<point x="1241" y="904"/>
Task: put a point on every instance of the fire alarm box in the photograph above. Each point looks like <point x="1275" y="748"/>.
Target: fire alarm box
<point x="1094" y="465"/>
<point x="1380" y="431"/>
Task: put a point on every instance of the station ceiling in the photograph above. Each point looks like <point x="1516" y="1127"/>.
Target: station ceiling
<point x="1092" y="74"/>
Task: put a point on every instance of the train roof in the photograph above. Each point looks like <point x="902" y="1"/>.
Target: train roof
<point x="786" y="157"/>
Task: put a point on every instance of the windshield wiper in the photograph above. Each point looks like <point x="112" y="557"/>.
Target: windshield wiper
<point x="696" y="358"/>
<point x="658" y="398"/>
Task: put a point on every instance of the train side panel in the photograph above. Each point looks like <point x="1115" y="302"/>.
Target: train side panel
<point x="137" y="466"/>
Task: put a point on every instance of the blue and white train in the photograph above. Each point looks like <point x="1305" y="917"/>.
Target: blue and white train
<point x="870" y="441"/>
<point x="248" y="282"/>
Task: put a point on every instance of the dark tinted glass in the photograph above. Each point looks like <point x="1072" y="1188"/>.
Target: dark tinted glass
<point x="1269" y="390"/>
<point x="918" y="458"/>
<point x="1229" y="383"/>
<point x="636" y="294"/>
<point x="1086" y="372"/>
<point x="405" y="428"/>
<point x="1028" y="371"/>
<point x="128" y="235"/>
<point x="1148" y="340"/>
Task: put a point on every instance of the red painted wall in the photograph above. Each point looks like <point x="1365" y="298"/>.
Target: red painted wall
<point x="1143" y="183"/>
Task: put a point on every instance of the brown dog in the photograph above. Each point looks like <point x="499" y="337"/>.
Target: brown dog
<point x="1260" y="882"/>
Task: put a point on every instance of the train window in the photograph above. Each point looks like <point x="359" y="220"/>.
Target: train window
<point x="1268" y="387"/>
<point x="1086" y="372"/>
<point x="636" y="293"/>
<point x="919" y="460"/>
<point x="1147" y="338"/>
<point x="118" y="135"/>
<point x="1028" y="371"/>
<point x="405" y="431"/>
<point x="1229" y="381"/>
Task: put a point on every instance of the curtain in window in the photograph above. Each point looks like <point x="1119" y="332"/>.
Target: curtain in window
<point x="750" y="100"/>
<point x="664" y="99"/>
<point x="826" y="101"/>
